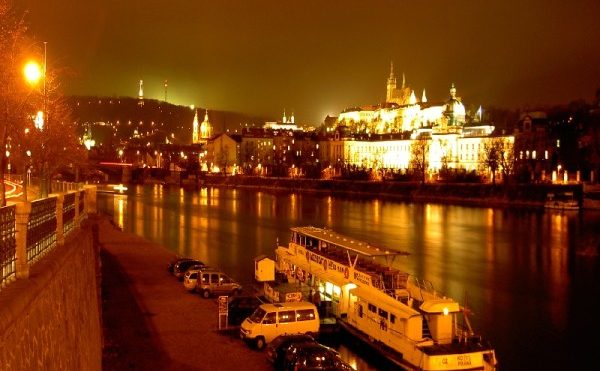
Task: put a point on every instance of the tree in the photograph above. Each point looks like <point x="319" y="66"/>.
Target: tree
<point x="51" y="147"/>
<point x="491" y="155"/>
<point x="498" y="154"/>
<point x="419" y="163"/>
<point x="14" y="91"/>
<point x="506" y="158"/>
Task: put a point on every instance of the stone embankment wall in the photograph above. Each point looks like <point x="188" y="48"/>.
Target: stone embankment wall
<point x="526" y="195"/>
<point x="52" y="321"/>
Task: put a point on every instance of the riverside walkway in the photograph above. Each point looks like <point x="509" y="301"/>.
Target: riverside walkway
<point x="151" y="322"/>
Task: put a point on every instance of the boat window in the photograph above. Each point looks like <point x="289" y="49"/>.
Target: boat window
<point x="269" y="318"/>
<point x="392" y="318"/>
<point x="287" y="316"/>
<point x="305" y="314"/>
<point x="383" y="313"/>
<point x="360" y="311"/>
<point x="372" y="308"/>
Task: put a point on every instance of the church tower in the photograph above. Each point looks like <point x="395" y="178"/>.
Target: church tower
<point x="206" y="130"/>
<point x="195" y="131"/>
<point x="141" y="94"/>
<point x="391" y="84"/>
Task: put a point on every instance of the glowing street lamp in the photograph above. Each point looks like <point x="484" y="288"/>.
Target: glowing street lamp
<point x="32" y="72"/>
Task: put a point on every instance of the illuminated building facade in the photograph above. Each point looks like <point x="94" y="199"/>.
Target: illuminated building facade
<point x="222" y="154"/>
<point x="384" y="136"/>
<point x="201" y="133"/>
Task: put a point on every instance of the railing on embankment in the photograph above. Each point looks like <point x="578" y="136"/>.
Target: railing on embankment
<point x="49" y="305"/>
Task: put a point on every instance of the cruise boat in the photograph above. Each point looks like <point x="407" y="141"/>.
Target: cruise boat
<point x="402" y="317"/>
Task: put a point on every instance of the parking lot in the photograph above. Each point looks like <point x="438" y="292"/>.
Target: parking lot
<point x="152" y="322"/>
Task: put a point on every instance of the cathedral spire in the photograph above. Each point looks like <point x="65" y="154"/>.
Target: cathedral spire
<point x="403" y="80"/>
<point x="195" y="132"/>
<point x="413" y="97"/>
<point x="424" y="97"/>
<point x="391" y="84"/>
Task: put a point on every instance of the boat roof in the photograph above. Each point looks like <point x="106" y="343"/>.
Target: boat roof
<point x="334" y="238"/>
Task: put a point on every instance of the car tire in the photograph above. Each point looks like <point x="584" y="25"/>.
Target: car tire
<point x="260" y="343"/>
<point x="206" y="294"/>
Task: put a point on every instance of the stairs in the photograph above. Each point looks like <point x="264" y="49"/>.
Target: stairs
<point x="426" y="331"/>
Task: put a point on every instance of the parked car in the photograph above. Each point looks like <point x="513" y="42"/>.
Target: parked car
<point x="271" y="320"/>
<point x="240" y="307"/>
<point x="214" y="282"/>
<point x="176" y="260"/>
<point x="314" y="357"/>
<point x="191" y="276"/>
<point x="278" y="347"/>
<point x="182" y="266"/>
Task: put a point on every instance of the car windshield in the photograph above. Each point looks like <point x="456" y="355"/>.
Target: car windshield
<point x="257" y="316"/>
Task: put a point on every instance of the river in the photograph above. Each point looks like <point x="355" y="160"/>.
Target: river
<point x="530" y="277"/>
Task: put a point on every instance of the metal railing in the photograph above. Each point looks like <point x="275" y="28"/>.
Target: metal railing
<point x="68" y="213"/>
<point x="29" y="230"/>
<point x="41" y="228"/>
<point x="8" y="244"/>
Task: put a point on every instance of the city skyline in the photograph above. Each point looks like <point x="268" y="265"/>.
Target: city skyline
<point x="316" y="59"/>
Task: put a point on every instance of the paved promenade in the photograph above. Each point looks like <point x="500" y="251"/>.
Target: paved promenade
<point x="151" y="322"/>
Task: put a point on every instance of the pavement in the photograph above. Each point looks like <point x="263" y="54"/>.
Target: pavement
<point x="151" y="322"/>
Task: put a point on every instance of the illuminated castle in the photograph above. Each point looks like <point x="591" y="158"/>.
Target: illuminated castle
<point x="402" y="112"/>
<point x="385" y="135"/>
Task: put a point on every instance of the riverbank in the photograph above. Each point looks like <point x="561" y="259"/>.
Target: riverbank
<point x="151" y="322"/>
<point x="483" y="195"/>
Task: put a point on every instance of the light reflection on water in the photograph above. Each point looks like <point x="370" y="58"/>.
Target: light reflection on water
<point x="518" y="271"/>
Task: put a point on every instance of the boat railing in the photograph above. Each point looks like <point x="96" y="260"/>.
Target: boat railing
<point x="424" y="287"/>
<point x="387" y="279"/>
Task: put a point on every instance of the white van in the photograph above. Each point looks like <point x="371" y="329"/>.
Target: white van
<point x="271" y="320"/>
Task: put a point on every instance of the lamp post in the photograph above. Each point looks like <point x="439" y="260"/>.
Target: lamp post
<point x="33" y="73"/>
<point x="45" y="122"/>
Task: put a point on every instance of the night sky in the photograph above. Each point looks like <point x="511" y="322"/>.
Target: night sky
<point x="319" y="57"/>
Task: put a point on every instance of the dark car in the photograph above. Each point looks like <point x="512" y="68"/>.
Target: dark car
<point x="313" y="357"/>
<point x="182" y="266"/>
<point x="278" y="347"/>
<point x="175" y="260"/>
<point x="240" y="307"/>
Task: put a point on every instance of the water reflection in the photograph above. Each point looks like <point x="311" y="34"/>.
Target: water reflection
<point x="519" y="271"/>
